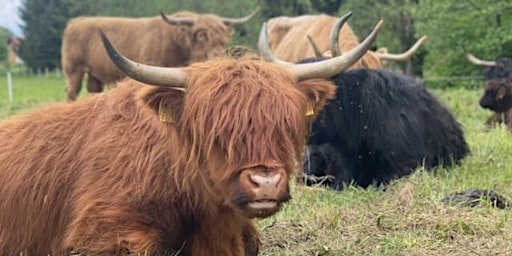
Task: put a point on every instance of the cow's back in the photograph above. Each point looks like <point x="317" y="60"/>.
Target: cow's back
<point x="288" y="39"/>
<point x="146" y="40"/>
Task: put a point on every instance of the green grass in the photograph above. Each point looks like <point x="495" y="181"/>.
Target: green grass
<point x="406" y="219"/>
<point x="30" y="92"/>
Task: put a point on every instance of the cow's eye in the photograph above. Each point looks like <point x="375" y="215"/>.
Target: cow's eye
<point x="200" y="36"/>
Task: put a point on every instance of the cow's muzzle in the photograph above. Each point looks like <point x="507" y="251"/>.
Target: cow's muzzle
<point x="269" y="188"/>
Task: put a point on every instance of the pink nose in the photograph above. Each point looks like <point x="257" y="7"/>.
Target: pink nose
<point x="266" y="185"/>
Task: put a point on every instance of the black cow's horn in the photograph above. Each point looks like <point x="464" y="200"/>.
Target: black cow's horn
<point x="480" y="62"/>
<point x="169" y="77"/>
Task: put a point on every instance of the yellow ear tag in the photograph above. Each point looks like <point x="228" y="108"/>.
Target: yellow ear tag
<point x="310" y="111"/>
<point x="164" y="112"/>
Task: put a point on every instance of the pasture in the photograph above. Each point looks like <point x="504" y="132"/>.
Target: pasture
<point x="408" y="218"/>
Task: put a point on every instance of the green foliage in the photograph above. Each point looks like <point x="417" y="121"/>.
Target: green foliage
<point x="4" y="36"/>
<point x="454" y="25"/>
<point x="272" y="8"/>
<point x="44" y="23"/>
<point x="327" y="6"/>
<point x="481" y="27"/>
<point x="399" y="32"/>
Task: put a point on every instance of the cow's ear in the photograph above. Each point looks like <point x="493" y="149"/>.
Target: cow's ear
<point x="167" y="103"/>
<point x="318" y="91"/>
<point x="502" y="92"/>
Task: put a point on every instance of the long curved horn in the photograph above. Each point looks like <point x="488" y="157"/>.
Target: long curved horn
<point x="321" y="69"/>
<point x="264" y="48"/>
<point x="334" y="44"/>
<point x="480" y="62"/>
<point x="317" y="51"/>
<point x="178" y="21"/>
<point x="238" y="21"/>
<point x="168" y="77"/>
<point x="403" y="56"/>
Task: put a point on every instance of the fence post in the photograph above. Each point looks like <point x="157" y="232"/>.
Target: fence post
<point x="9" y="86"/>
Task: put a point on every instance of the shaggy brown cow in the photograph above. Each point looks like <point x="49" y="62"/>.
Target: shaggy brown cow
<point x="289" y="42"/>
<point x="183" y="166"/>
<point x="165" y="41"/>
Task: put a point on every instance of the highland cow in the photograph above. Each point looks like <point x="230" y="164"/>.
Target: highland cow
<point x="167" y="41"/>
<point x="288" y="37"/>
<point x="180" y="160"/>
<point x="383" y="126"/>
<point x="498" y="93"/>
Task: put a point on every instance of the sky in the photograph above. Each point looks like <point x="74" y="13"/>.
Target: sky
<point x="9" y="16"/>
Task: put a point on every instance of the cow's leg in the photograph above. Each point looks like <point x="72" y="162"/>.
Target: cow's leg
<point x="112" y="231"/>
<point x="494" y="120"/>
<point x="507" y="119"/>
<point x="74" y="83"/>
<point x="229" y="235"/>
<point x="94" y="85"/>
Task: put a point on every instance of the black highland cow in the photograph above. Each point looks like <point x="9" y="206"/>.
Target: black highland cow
<point x="382" y="126"/>
<point x="498" y="95"/>
<point x="498" y="89"/>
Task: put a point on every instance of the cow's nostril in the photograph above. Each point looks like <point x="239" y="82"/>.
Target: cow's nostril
<point x="253" y="182"/>
<point x="269" y="180"/>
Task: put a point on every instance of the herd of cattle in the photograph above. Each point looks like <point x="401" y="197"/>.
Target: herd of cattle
<point x="193" y="143"/>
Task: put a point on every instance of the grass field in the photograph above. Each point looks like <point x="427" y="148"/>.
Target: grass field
<point x="406" y="219"/>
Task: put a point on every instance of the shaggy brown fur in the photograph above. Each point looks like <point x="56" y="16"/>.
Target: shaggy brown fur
<point x="105" y="175"/>
<point x="147" y="40"/>
<point x="288" y="41"/>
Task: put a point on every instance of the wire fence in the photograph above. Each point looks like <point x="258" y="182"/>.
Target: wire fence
<point x="466" y="82"/>
<point x="24" y="71"/>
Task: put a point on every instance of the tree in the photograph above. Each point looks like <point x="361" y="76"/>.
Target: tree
<point x="4" y="36"/>
<point x="272" y="8"/>
<point x="330" y="7"/>
<point x="399" y="32"/>
<point x="480" y="27"/>
<point x="44" y="23"/>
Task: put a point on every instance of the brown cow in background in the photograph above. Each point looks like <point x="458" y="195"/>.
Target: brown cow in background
<point x="168" y="41"/>
<point x="184" y="165"/>
<point x="288" y="40"/>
